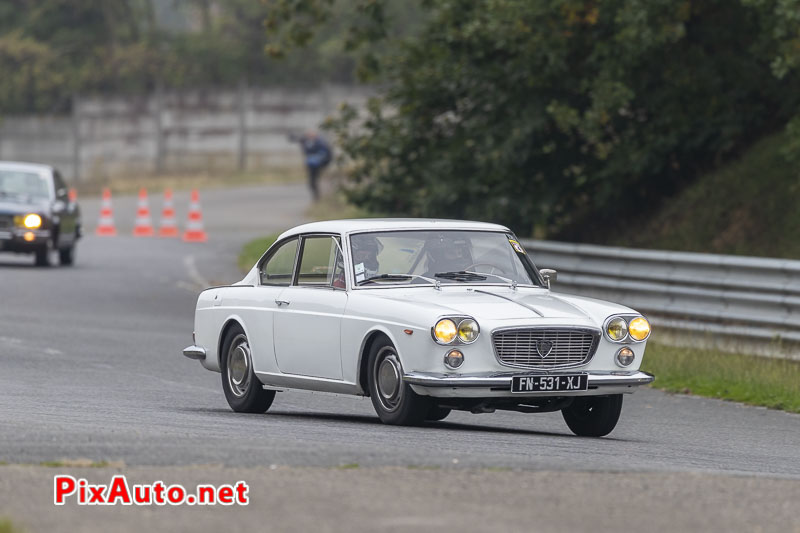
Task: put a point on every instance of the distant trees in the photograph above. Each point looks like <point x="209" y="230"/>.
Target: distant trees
<point x="51" y="49"/>
<point x="553" y="115"/>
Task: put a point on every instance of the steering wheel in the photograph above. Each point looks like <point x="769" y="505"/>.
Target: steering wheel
<point x="491" y="266"/>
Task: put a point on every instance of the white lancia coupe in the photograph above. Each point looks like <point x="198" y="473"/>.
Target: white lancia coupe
<point x="422" y="316"/>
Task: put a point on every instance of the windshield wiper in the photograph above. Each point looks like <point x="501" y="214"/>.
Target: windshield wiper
<point x="468" y="275"/>
<point x="400" y="277"/>
<point x="461" y="275"/>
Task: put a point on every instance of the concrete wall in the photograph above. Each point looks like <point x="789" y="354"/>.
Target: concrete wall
<point x="174" y="132"/>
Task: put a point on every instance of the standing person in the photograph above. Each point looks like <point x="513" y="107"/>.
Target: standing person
<point x="317" y="155"/>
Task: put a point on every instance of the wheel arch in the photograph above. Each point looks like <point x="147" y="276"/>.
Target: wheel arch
<point x="372" y="335"/>
<point x="229" y="323"/>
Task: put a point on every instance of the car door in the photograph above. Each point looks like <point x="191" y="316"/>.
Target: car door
<point x="276" y="271"/>
<point x="307" y="328"/>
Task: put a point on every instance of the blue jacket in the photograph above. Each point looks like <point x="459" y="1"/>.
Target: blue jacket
<point x="317" y="152"/>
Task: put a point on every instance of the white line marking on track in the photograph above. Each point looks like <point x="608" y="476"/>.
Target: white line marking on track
<point x="194" y="274"/>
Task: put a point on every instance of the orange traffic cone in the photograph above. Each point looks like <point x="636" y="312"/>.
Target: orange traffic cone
<point x="143" y="227"/>
<point x="73" y="196"/>
<point x="105" y="226"/>
<point x="194" y="227"/>
<point x="169" y="227"/>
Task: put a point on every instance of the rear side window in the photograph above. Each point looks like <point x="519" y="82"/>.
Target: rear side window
<point x="278" y="268"/>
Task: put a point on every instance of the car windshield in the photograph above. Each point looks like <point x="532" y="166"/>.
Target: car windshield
<point x="24" y="186"/>
<point x="443" y="257"/>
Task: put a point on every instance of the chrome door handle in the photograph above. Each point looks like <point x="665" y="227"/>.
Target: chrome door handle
<point x="282" y="302"/>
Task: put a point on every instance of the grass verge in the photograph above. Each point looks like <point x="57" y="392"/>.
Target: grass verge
<point x="253" y="250"/>
<point x="773" y="383"/>
<point x="7" y="527"/>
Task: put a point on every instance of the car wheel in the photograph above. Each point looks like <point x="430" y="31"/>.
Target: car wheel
<point x="243" y="390"/>
<point x="593" y="416"/>
<point x="66" y="256"/>
<point x="47" y="254"/>
<point x="437" y="413"/>
<point x="393" y="399"/>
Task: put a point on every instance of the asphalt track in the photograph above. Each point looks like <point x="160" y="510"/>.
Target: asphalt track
<point x="91" y="368"/>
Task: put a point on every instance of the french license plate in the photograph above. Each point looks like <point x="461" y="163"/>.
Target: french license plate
<point x="560" y="383"/>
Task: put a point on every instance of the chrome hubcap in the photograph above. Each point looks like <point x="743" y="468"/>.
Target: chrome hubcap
<point x="239" y="366"/>
<point x="389" y="379"/>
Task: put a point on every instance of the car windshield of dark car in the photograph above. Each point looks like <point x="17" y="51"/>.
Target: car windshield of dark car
<point x="22" y="186"/>
<point x="447" y="257"/>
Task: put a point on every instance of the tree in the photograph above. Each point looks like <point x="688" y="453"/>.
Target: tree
<point x="558" y="115"/>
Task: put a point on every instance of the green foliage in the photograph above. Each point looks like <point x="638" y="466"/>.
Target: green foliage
<point x="773" y="383"/>
<point x="558" y="115"/>
<point x="6" y="526"/>
<point x="748" y="206"/>
<point x="253" y="250"/>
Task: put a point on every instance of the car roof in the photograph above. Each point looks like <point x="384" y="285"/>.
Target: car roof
<point x="391" y="224"/>
<point x="25" y="167"/>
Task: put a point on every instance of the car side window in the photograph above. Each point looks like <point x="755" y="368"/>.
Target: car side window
<point x="279" y="266"/>
<point x="321" y="263"/>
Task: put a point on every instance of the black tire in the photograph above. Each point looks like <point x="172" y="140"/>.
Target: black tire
<point x="66" y="256"/>
<point x="437" y="413"/>
<point x="243" y="390"/>
<point x="45" y="255"/>
<point x="593" y="416"/>
<point x="393" y="399"/>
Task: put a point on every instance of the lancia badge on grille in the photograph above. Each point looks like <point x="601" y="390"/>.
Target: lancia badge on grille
<point x="543" y="348"/>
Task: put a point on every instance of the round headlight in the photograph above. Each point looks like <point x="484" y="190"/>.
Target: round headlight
<point x="32" y="221"/>
<point x="445" y="331"/>
<point x="468" y="331"/>
<point x="639" y="328"/>
<point x="625" y="356"/>
<point x="617" y="329"/>
<point x="453" y="359"/>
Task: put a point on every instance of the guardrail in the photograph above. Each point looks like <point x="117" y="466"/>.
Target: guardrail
<point x="720" y="296"/>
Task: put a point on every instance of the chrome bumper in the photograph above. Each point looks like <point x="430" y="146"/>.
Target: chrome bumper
<point x="194" y="352"/>
<point x="501" y="382"/>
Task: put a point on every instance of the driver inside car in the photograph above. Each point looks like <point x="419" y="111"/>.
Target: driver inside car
<point x="447" y="253"/>
<point x="365" y="250"/>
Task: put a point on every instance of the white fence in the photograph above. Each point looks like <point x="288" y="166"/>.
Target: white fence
<point x="732" y="302"/>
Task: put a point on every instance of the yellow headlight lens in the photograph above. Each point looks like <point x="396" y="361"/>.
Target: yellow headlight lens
<point x="639" y="328"/>
<point x="32" y="221"/>
<point x="445" y="331"/>
<point x="468" y="330"/>
<point x="617" y="329"/>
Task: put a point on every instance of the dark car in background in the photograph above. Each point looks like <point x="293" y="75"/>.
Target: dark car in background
<point x="37" y="215"/>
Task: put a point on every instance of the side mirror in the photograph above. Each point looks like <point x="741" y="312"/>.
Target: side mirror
<point x="549" y="275"/>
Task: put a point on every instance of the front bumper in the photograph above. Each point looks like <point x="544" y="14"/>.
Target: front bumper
<point x="13" y="239"/>
<point x="488" y="385"/>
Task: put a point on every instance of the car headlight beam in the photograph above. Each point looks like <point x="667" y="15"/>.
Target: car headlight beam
<point x="639" y="328"/>
<point x="445" y="331"/>
<point x="32" y="221"/>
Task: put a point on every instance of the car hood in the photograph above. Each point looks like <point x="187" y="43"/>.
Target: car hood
<point x="497" y="303"/>
<point x="22" y="208"/>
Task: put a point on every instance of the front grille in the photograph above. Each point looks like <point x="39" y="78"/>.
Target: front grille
<point x="545" y="348"/>
<point x="6" y="221"/>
